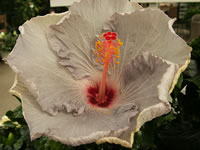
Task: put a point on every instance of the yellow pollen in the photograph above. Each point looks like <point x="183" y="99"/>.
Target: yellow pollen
<point x="106" y="50"/>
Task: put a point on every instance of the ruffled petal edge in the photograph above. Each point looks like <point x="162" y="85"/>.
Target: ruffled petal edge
<point x="153" y="110"/>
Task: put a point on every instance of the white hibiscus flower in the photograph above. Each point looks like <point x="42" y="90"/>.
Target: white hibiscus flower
<point x="70" y="97"/>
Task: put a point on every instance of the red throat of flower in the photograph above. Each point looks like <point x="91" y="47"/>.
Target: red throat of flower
<point x="107" y="52"/>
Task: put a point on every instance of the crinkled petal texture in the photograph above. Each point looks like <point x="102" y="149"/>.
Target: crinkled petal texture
<point x="53" y="59"/>
<point x="148" y="30"/>
<point x="52" y="85"/>
<point x="73" y="39"/>
<point x="96" y="12"/>
<point x="157" y="76"/>
<point x="69" y="129"/>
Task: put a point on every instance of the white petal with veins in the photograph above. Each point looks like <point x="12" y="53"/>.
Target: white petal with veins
<point x="147" y="30"/>
<point x="146" y="83"/>
<point x="34" y="61"/>
<point x="69" y="129"/>
<point x="96" y="12"/>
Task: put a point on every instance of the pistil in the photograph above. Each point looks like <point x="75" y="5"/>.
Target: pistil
<point x="107" y="52"/>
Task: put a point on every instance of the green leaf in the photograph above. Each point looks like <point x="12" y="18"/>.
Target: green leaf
<point x="9" y="124"/>
<point x="9" y="114"/>
<point x="7" y="147"/>
<point x="195" y="80"/>
<point x="1" y="146"/>
<point x="196" y="48"/>
<point x="10" y="139"/>
<point x="18" y="144"/>
<point x="192" y="69"/>
<point x="180" y="81"/>
<point x="17" y="98"/>
<point x="16" y="115"/>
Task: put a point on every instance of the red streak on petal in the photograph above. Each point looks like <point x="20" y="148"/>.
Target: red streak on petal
<point x="92" y="94"/>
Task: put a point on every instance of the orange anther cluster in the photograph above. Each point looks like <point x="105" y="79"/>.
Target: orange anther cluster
<point x="107" y="48"/>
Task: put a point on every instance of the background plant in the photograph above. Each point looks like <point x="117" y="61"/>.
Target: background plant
<point x="7" y="41"/>
<point x="18" y="12"/>
<point x="193" y="9"/>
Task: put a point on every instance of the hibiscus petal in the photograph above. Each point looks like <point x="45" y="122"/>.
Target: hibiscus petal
<point x="72" y="40"/>
<point x="148" y="30"/>
<point x="96" y="12"/>
<point x="146" y="83"/>
<point x="32" y="59"/>
<point x="69" y="129"/>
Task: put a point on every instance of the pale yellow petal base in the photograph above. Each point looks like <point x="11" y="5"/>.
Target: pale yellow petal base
<point x="115" y="140"/>
<point x="178" y="74"/>
<point x="14" y="92"/>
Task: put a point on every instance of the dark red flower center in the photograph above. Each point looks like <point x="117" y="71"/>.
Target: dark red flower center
<point x="92" y="96"/>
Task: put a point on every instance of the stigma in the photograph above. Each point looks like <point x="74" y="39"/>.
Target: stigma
<point x="107" y="52"/>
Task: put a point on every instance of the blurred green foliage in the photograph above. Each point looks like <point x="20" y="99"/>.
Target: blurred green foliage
<point x="183" y="133"/>
<point x="178" y="130"/>
<point x="196" y="49"/>
<point x="7" y="40"/>
<point x="18" y="11"/>
<point x="193" y="9"/>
